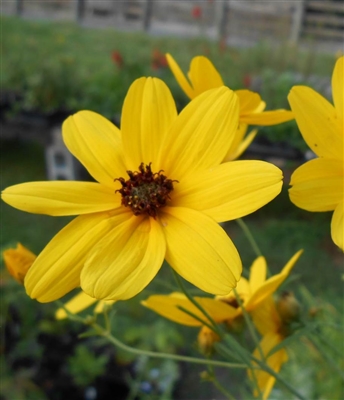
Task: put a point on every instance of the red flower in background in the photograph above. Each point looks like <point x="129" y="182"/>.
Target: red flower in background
<point x="247" y="80"/>
<point x="158" y="60"/>
<point x="196" y="12"/>
<point x="117" y="58"/>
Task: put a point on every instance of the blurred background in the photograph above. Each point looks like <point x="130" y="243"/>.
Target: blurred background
<point x="61" y="56"/>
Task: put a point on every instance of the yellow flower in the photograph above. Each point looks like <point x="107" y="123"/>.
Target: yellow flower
<point x="318" y="185"/>
<point x="160" y="192"/>
<point x="18" y="261"/>
<point x="222" y="309"/>
<point x="270" y="326"/>
<point x="79" y="303"/>
<point x="204" y="76"/>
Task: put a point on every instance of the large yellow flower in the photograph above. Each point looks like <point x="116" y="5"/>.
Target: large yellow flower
<point x="204" y="76"/>
<point x="160" y="192"/>
<point x="252" y="292"/>
<point x="318" y="185"/>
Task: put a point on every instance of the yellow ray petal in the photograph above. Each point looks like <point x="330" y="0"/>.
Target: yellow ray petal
<point x="266" y="317"/>
<point x="257" y="273"/>
<point x="337" y="226"/>
<point x="61" y="197"/>
<point x="338" y="87"/>
<point x="77" y="304"/>
<point x="148" y="112"/>
<point x="125" y="261"/>
<point x="249" y="101"/>
<point x="230" y="190"/>
<point x="317" y="185"/>
<point x="200" y="251"/>
<point x="236" y="151"/>
<point x="275" y="361"/>
<point x="317" y="121"/>
<point x="267" y="118"/>
<point x="180" y="77"/>
<point x="202" y="133"/>
<point x="96" y="143"/>
<point x="167" y="306"/>
<point x="270" y="286"/>
<point x="203" y="75"/>
<point x="56" y="270"/>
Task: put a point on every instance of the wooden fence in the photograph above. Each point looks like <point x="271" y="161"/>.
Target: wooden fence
<point x="249" y="20"/>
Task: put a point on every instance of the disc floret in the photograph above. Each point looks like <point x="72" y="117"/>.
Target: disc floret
<point x="145" y="191"/>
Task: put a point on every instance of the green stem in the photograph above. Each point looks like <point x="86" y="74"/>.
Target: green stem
<point x="249" y="237"/>
<point x="212" y="378"/>
<point x="215" y="328"/>
<point x="250" y="325"/>
<point x="102" y="332"/>
<point x="278" y="377"/>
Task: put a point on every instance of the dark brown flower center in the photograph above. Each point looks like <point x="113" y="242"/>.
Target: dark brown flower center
<point x="145" y="191"/>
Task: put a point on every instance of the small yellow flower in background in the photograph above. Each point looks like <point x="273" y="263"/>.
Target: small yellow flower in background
<point x="79" y="303"/>
<point x="252" y="292"/>
<point x="206" y="338"/>
<point x="318" y="185"/>
<point x="161" y="190"/>
<point x="18" y="261"/>
<point x="274" y="329"/>
<point x="203" y="76"/>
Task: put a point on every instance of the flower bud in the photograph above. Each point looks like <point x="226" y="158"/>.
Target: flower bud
<point x="18" y="261"/>
<point x="288" y="307"/>
<point x="206" y="338"/>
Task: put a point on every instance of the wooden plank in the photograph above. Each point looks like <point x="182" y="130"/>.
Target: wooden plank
<point x="323" y="33"/>
<point x="333" y="20"/>
<point x="325" y="5"/>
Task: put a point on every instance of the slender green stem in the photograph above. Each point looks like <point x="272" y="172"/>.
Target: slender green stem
<point x="102" y="332"/>
<point x="249" y="237"/>
<point x="195" y="316"/>
<point x="250" y="325"/>
<point x="215" y="327"/>
<point x="212" y="378"/>
<point x="278" y="377"/>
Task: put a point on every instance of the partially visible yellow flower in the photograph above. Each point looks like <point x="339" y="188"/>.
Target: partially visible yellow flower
<point x="18" y="261"/>
<point x="79" y="303"/>
<point x="318" y="185"/>
<point x="257" y="288"/>
<point x="271" y="327"/>
<point x="203" y="76"/>
<point x="222" y="309"/>
<point x="160" y="193"/>
<point x="206" y="339"/>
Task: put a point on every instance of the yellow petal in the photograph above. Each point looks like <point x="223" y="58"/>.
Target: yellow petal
<point x="266" y="317"/>
<point x="77" y="304"/>
<point x="200" y="251"/>
<point x="338" y="87"/>
<point x="230" y="190"/>
<point x="267" y="118"/>
<point x="180" y="77"/>
<point x="167" y="306"/>
<point x="337" y="226"/>
<point x="125" y="261"/>
<point x="249" y="101"/>
<point x="264" y="380"/>
<point x="203" y="75"/>
<point x="148" y="112"/>
<point x="96" y="143"/>
<point x="270" y="286"/>
<point x="257" y="273"/>
<point x="61" y="197"/>
<point x="317" y="185"/>
<point x="236" y="151"/>
<point x="56" y="270"/>
<point x="202" y="133"/>
<point x="317" y="121"/>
